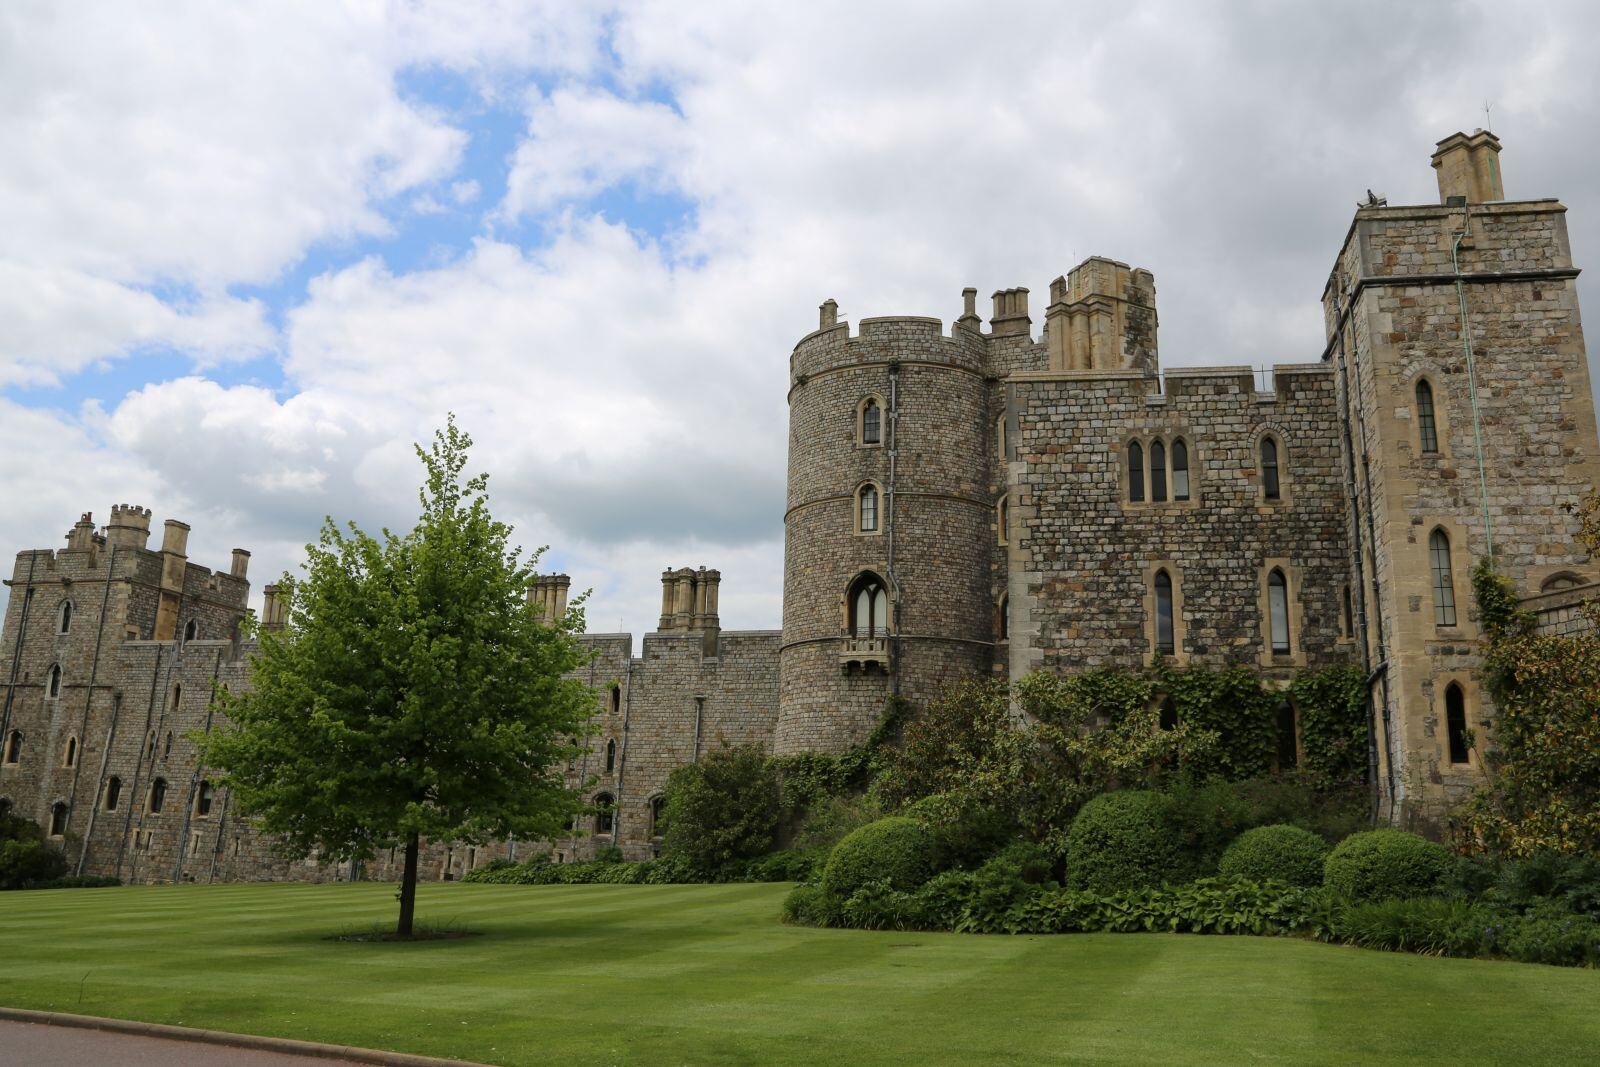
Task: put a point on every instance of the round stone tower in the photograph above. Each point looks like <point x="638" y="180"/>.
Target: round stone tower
<point x="891" y="543"/>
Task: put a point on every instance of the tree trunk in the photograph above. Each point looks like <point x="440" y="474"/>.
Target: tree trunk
<point x="408" y="888"/>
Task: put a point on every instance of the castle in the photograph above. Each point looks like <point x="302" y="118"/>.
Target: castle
<point x="971" y="502"/>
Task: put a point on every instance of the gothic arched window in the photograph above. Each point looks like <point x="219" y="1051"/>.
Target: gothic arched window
<point x="1427" y="428"/>
<point x="1180" y="470"/>
<point x="113" y="792"/>
<point x="869" y="607"/>
<point x="1135" y="472"/>
<point x="604" y="814"/>
<point x="658" y="815"/>
<point x="14" y="747"/>
<point x="611" y="756"/>
<point x="871" y="422"/>
<point x="191" y="630"/>
<point x="867" y="509"/>
<point x="204" y="797"/>
<point x="53" y="688"/>
<point x="1158" y="471"/>
<point x="1444" y="586"/>
<point x="1270" y="487"/>
<point x="58" y="819"/>
<point x="158" y="795"/>
<point x="1455" y="715"/>
<point x="1165" y="643"/>
<point x="64" y="620"/>
<point x="1278" y="611"/>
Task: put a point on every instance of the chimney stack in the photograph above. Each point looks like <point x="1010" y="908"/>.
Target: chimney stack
<point x="829" y="314"/>
<point x="275" y="610"/>
<point x="549" y="597"/>
<point x="241" y="563"/>
<point x="969" y="310"/>
<point x="81" y="537"/>
<point x="1010" y="313"/>
<point x="1469" y="168"/>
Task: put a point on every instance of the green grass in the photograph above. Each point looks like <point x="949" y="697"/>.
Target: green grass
<point x="706" y="974"/>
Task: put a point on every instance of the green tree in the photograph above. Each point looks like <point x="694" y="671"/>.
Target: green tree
<point x="723" y="809"/>
<point x="414" y="692"/>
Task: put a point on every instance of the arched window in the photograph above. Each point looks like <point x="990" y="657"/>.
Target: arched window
<point x="1135" y="472"/>
<point x="1349" y="615"/>
<point x="1158" y="471"/>
<point x="113" y="792"/>
<point x="177" y="697"/>
<point x="204" y="797"/>
<point x="1002" y="519"/>
<point x="1168" y="719"/>
<point x="1000" y="438"/>
<point x="58" y="819"/>
<point x="867" y="509"/>
<point x="871" y="422"/>
<point x="1444" y="586"/>
<point x="158" y="795"/>
<point x="1165" y="644"/>
<point x="1270" y="489"/>
<point x="611" y="756"/>
<point x="14" y="747"/>
<point x="64" y="620"/>
<point x="69" y="755"/>
<point x="1455" y="716"/>
<point x="150" y="743"/>
<point x="869" y="607"/>
<point x="1427" y="428"/>
<point x="1288" y="736"/>
<point x="53" y="688"/>
<point x="1278" y="611"/>
<point x="191" y="630"/>
<point x="166" y="752"/>
<point x="603" y="814"/>
<point x="1002" y="618"/>
<point x="1559" y="582"/>
<point x="658" y="815"/>
<point x="616" y="698"/>
<point x="1180" y="470"/>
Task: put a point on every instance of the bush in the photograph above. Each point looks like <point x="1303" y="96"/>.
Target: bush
<point x="722" y="810"/>
<point x="1432" y="926"/>
<point x="964" y="834"/>
<point x="1384" y="864"/>
<point x="1550" y="934"/>
<point x="79" y="881"/>
<point x="26" y="858"/>
<point x="828" y="821"/>
<point x="895" y="851"/>
<point x="1570" y="879"/>
<point x="788" y="866"/>
<point x="1121" y="841"/>
<point x="1276" y="853"/>
<point x="808" y="905"/>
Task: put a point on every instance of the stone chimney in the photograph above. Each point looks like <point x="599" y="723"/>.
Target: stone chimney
<point x="129" y="526"/>
<point x="174" y="565"/>
<point x="241" y="563"/>
<point x="828" y="316"/>
<point x="969" y="310"/>
<point x="81" y="537"/>
<point x="1469" y="168"/>
<point x="274" y="610"/>
<point x="549" y="597"/>
<point x="1010" y="313"/>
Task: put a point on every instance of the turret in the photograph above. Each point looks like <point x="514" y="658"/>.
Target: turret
<point x="1102" y="316"/>
<point x="129" y="526"/>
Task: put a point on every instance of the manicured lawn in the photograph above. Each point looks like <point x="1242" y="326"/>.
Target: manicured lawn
<point x="706" y="974"/>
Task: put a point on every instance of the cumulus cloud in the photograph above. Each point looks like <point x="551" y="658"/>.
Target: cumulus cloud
<point x="624" y="374"/>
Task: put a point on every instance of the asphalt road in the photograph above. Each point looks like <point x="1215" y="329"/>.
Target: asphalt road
<point x="36" y="1045"/>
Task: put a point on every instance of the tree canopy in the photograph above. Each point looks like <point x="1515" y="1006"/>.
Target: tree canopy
<point x="414" y="693"/>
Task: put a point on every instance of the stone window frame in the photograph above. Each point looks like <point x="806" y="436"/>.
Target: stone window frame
<point x="656" y="805"/>
<point x="1460" y="565"/>
<point x="155" y="800"/>
<point x="1469" y="721"/>
<point x="1570" y="578"/>
<point x="1441" y="414"/>
<point x="611" y="755"/>
<point x="200" y="795"/>
<point x="1285" y="697"/>
<point x="54" y="681"/>
<point x="69" y="752"/>
<point x="1002" y="520"/>
<point x="1002" y="618"/>
<point x="1000" y="438"/>
<point x="605" y="805"/>
<point x="111" y="793"/>
<point x="861" y="421"/>
<point x="1165" y="435"/>
<point x="62" y="810"/>
<point x="1179" y="656"/>
<point x="65" y="612"/>
<point x="1296" y="656"/>
<point x="847" y="598"/>
<point x="1347" y="613"/>
<point x="1285" y="482"/>
<point x="879" y="515"/>
<point x="11" y="751"/>
<point x="191" y="630"/>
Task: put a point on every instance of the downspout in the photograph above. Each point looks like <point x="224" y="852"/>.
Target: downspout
<point x="16" y="651"/>
<point x="88" y="706"/>
<point x="889" y="516"/>
<point x="699" y="719"/>
<point x="622" y="759"/>
<point x="1472" y="376"/>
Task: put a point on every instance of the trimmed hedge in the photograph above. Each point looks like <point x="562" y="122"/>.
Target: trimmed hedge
<point x="1122" y="841"/>
<point x="1280" y="853"/>
<point x="669" y="870"/>
<point x="1385" y="864"/>
<point x="895" y="851"/>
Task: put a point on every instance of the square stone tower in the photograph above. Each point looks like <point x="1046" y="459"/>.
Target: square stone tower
<point x="1469" y="431"/>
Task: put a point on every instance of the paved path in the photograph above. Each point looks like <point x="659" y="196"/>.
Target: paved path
<point x="36" y="1045"/>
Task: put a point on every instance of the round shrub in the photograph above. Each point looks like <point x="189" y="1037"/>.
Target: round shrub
<point x="1385" y="864"/>
<point x="1278" y="853"/>
<point x="964" y="835"/>
<point x="896" y="850"/>
<point x="1122" y="841"/>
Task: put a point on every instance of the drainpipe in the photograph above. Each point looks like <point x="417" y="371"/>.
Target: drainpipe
<point x="1472" y="375"/>
<point x="894" y="581"/>
<point x="622" y="759"/>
